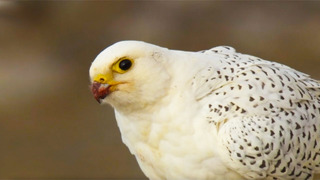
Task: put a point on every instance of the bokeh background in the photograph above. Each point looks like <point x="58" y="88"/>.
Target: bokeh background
<point x="50" y="125"/>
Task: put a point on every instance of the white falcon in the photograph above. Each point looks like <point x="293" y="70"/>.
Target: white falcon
<point x="214" y="114"/>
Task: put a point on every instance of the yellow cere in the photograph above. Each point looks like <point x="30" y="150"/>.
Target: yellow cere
<point x="107" y="79"/>
<point x="103" y="79"/>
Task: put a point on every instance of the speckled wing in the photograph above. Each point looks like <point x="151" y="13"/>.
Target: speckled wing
<point x="266" y="115"/>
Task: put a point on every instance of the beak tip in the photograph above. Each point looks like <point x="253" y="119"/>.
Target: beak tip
<point x="98" y="100"/>
<point x="99" y="92"/>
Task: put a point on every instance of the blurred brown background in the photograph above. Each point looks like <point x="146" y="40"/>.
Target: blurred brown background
<point x="50" y="125"/>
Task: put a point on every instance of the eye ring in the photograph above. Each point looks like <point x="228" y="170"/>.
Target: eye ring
<point x="122" y="65"/>
<point x="125" y="64"/>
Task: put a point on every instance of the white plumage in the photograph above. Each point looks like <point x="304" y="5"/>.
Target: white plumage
<point x="214" y="114"/>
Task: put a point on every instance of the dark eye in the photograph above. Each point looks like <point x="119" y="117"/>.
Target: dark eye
<point x="125" y="64"/>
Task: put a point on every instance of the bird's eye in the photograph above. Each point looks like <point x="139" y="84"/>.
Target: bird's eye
<point x="122" y="65"/>
<point x="125" y="64"/>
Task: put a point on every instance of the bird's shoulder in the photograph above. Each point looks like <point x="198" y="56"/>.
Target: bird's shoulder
<point x="226" y="68"/>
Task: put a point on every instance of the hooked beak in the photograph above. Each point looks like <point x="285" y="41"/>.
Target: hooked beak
<point x="103" y="85"/>
<point x="100" y="91"/>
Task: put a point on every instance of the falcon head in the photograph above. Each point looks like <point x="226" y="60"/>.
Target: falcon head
<point x="129" y="74"/>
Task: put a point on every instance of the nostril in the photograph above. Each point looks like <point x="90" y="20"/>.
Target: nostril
<point x="101" y="79"/>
